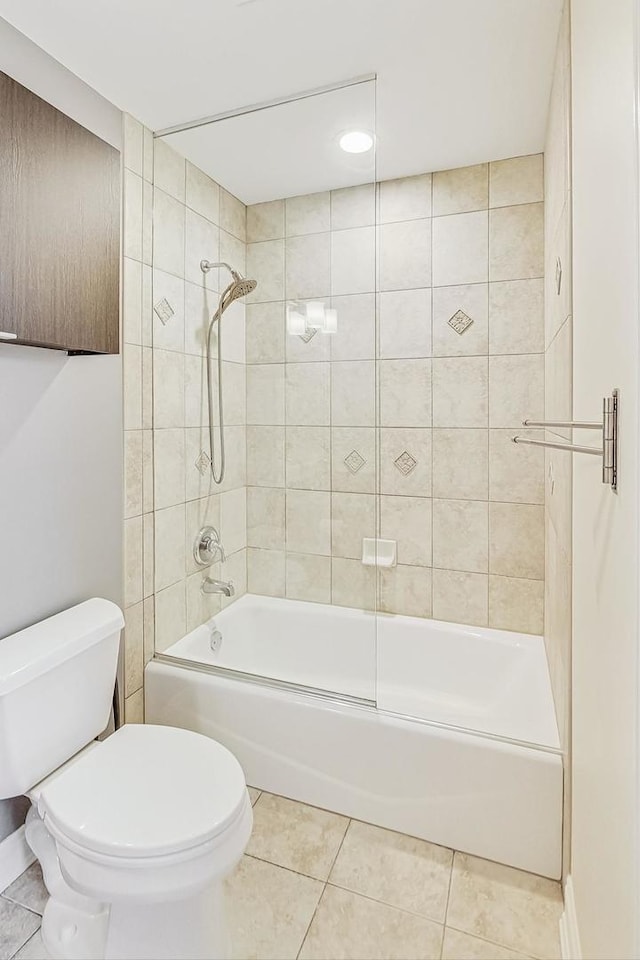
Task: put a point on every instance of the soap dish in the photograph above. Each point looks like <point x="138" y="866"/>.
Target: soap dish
<point x="379" y="553"/>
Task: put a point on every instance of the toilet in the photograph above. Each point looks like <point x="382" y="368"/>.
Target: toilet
<point x="134" y="834"/>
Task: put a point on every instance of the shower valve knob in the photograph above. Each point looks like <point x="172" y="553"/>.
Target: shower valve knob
<point x="207" y="547"/>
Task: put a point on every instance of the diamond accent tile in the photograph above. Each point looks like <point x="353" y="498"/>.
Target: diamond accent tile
<point x="309" y="335"/>
<point x="164" y="311"/>
<point x="203" y="462"/>
<point x="405" y="463"/>
<point x="460" y="322"/>
<point x="354" y="461"/>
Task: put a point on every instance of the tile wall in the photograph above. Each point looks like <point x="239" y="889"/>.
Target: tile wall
<point x="558" y="394"/>
<point x="398" y="401"/>
<point x="175" y="216"/>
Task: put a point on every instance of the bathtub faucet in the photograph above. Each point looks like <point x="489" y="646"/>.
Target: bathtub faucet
<point x="225" y="587"/>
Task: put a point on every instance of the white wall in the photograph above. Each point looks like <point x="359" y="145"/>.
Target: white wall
<point x="605" y="538"/>
<point x="60" y="430"/>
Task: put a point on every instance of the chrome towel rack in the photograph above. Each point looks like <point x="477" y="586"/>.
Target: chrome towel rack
<point x="608" y="451"/>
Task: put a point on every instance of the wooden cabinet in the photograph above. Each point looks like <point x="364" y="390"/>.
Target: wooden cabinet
<point x="59" y="228"/>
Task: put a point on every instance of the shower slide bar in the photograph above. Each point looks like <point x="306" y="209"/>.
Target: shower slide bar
<point x="609" y="426"/>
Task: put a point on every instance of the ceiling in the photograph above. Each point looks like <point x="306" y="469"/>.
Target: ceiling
<point x="459" y="81"/>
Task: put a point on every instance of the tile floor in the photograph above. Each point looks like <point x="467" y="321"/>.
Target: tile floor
<point x="318" y="886"/>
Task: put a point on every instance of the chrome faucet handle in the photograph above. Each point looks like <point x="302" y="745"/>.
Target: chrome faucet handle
<point x="207" y="547"/>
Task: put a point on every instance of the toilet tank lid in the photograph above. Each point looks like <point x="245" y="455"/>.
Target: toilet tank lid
<point x="31" y="652"/>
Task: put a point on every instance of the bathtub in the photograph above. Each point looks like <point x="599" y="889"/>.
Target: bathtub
<point x="437" y="730"/>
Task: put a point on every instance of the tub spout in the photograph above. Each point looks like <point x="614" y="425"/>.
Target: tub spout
<point x="225" y="587"/>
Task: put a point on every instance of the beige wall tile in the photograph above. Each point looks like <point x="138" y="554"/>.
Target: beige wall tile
<point x="308" y="519"/>
<point x="131" y="301"/>
<point x="308" y="577"/>
<point x="516" y="540"/>
<point x="461" y="190"/>
<point x="516" y="242"/>
<point x="233" y="519"/>
<point x="265" y="394"/>
<point x="146" y="329"/>
<point x="407" y="520"/>
<point x="507" y="906"/>
<point x="405" y="324"/>
<point x="266" y="572"/>
<point x="265" y="263"/>
<point x="516" y="472"/>
<point x="308" y="458"/>
<point x="399" y="474"/>
<point x="406" y="590"/>
<point x="132" y="561"/>
<point x="307" y="394"/>
<point x="202" y="241"/>
<point x="134" y="708"/>
<point x="353" y="207"/>
<point x="132" y="144"/>
<point x="147" y="388"/>
<point x="353" y="459"/>
<point x="405" y="393"/>
<point x="133" y="649"/>
<point x="147" y="471"/>
<point x="266" y="518"/>
<point x="516" y="604"/>
<point x="265" y="456"/>
<point x="168" y="334"/>
<point x="408" y="198"/>
<point x="171" y="616"/>
<point x="169" y="467"/>
<point x="265" y="333"/>
<point x="356" y="336"/>
<point x="308" y="266"/>
<point x="353" y="261"/>
<point x="200" y="304"/>
<point x="461" y="535"/>
<point x="353" y="393"/>
<point x="460" y="392"/>
<point x="461" y="597"/>
<point x="558" y="372"/>
<point x="170" y="561"/>
<point x="516" y="389"/>
<point x="147" y="223"/>
<point x="235" y="569"/>
<point x="308" y="213"/>
<point x="169" y="170"/>
<point x="168" y="233"/>
<point x="472" y="300"/>
<point x="132" y="387"/>
<point x="392" y="868"/>
<point x="518" y="180"/>
<point x="132" y="216"/>
<point x="265" y="221"/>
<point x="202" y="193"/>
<point x="168" y="389"/>
<point x="132" y="473"/>
<point x="405" y="255"/>
<point x="147" y="154"/>
<point x="353" y="517"/>
<point x="460" y="464"/>
<point x="201" y="607"/>
<point x="516" y="316"/>
<point x="149" y="630"/>
<point x="303" y="350"/>
<point x="352" y="584"/>
<point x="460" y="249"/>
<point x="148" y="555"/>
<point x="233" y="215"/>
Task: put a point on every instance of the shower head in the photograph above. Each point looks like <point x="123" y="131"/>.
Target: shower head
<point x="240" y="287"/>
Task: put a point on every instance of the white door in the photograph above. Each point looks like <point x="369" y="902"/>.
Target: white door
<point x="605" y="806"/>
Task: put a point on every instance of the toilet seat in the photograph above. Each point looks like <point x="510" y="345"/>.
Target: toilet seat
<point x="153" y="811"/>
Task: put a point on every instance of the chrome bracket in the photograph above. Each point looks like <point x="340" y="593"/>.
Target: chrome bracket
<point x="609" y="427"/>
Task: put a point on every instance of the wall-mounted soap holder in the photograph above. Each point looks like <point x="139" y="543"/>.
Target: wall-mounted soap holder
<point x="379" y="553"/>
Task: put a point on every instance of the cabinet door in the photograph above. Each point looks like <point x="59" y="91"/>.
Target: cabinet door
<point x="59" y="227"/>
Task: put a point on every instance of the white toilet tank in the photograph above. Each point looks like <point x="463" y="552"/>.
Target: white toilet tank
<point x="56" y="689"/>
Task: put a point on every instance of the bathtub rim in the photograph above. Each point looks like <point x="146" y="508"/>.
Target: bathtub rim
<point x="329" y="698"/>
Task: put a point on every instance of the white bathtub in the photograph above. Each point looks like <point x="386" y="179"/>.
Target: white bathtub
<point x="462" y="748"/>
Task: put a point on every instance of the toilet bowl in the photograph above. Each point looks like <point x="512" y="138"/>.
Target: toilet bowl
<point x="134" y="834"/>
<point x="134" y="837"/>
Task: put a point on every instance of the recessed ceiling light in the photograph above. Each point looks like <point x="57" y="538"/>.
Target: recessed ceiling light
<point x="356" y="141"/>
